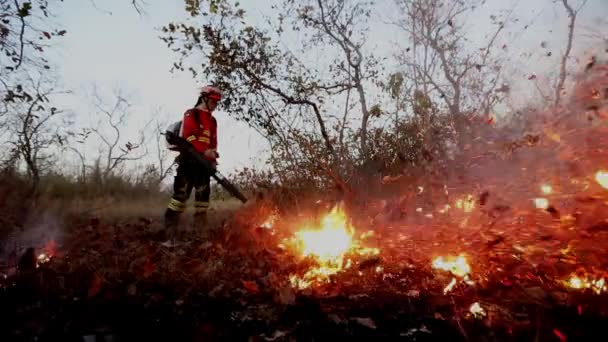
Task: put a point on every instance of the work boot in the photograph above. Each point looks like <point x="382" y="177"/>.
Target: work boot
<point x="170" y="226"/>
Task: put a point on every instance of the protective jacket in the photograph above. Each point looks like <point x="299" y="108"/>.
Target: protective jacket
<point x="199" y="127"/>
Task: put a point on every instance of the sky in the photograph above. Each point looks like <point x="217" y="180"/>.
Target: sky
<point x="110" y="45"/>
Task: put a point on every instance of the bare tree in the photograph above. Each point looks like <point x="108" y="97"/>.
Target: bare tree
<point x="338" y="22"/>
<point x="115" y="151"/>
<point x="33" y="127"/>
<point x="441" y="66"/>
<point x="572" y="13"/>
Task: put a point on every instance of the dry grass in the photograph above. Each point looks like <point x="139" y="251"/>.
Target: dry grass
<point x="118" y="209"/>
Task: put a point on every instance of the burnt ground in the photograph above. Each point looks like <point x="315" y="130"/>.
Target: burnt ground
<point x="117" y="281"/>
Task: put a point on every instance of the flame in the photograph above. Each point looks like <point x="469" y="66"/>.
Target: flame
<point x="328" y="245"/>
<point x="42" y="258"/>
<point x="450" y="286"/>
<point x="477" y="310"/>
<point x="546" y="189"/>
<point x="458" y="266"/>
<point x="541" y="203"/>
<point x="602" y="178"/>
<point x="467" y="203"/>
<point x="269" y="223"/>
<point x="578" y="283"/>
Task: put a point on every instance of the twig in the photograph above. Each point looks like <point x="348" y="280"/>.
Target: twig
<point x="21" y="33"/>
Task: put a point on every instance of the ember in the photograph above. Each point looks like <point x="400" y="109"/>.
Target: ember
<point x="466" y="204"/>
<point x="477" y="310"/>
<point x="541" y="203"/>
<point x="42" y="258"/>
<point x="546" y="189"/>
<point x="597" y="285"/>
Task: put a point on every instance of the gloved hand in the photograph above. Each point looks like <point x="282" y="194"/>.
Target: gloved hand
<point x="211" y="154"/>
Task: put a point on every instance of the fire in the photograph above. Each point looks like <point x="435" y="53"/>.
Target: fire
<point x="328" y="245"/>
<point x="602" y="178"/>
<point x="541" y="203"/>
<point x="467" y="203"/>
<point x="578" y="283"/>
<point x="546" y="189"/>
<point x="270" y="221"/>
<point x="477" y="310"/>
<point x="42" y="258"/>
<point x="458" y="266"/>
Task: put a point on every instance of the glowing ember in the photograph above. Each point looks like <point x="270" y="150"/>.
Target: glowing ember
<point x="42" y="258"/>
<point x="541" y="203"/>
<point x="546" y="189"/>
<point x="602" y="178"/>
<point x="467" y="204"/>
<point x="450" y="286"/>
<point x="328" y="245"/>
<point x="445" y="209"/>
<point x="597" y="285"/>
<point x="477" y="310"/>
<point x="458" y="266"/>
<point x="269" y="223"/>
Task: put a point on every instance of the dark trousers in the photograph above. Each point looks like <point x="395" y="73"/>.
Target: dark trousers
<point x="189" y="176"/>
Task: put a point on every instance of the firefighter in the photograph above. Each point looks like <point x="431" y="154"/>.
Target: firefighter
<point x="199" y="127"/>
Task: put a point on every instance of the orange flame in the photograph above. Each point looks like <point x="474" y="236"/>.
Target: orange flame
<point x="458" y="266"/>
<point x="541" y="203"/>
<point x="467" y="203"/>
<point x="578" y="283"/>
<point x="546" y="189"/>
<point x="477" y="310"/>
<point x="329" y="244"/>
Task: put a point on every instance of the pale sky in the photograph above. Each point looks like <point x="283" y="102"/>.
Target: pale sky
<point x="123" y="49"/>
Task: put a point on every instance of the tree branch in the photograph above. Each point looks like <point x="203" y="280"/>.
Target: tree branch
<point x="562" y="74"/>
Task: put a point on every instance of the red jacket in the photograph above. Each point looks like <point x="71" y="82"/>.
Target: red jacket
<point x="199" y="127"/>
